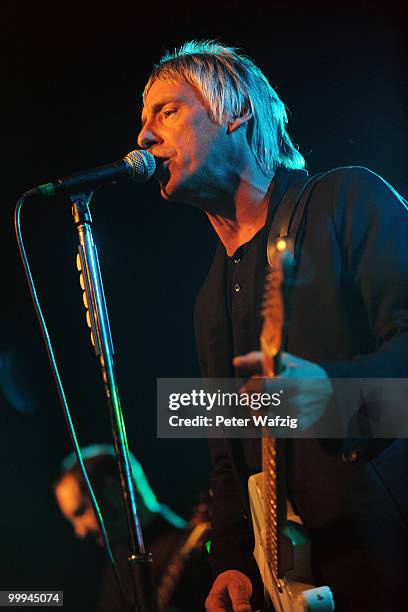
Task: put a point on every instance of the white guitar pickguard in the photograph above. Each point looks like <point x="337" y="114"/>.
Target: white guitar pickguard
<point x="290" y="594"/>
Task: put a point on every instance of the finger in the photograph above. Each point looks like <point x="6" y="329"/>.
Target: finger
<point x="291" y="362"/>
<point x="215" y="603"/>
<point x="230" y="588"/>
<point x="239" y="595"/>
<point x="253" y="385"/>
<point x="249" y="364"/>
<point x="242" y="607"/>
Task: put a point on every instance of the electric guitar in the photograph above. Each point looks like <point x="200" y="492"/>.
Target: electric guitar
<point x="281" y="544"/>
<point x="196" y="534"/>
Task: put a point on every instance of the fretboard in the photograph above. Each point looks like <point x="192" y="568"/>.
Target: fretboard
<point x="277" y="549"/>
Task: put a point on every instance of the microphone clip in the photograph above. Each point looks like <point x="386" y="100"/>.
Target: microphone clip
<point x="80" y="208"/>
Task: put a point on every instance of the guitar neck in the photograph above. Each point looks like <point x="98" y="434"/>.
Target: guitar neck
<point x="274" y="532"/>
<point x="276" y="309"/>
<point x="278" y="548"/>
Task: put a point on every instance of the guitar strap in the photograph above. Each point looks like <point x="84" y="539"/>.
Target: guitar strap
<point x="288" y="222"/>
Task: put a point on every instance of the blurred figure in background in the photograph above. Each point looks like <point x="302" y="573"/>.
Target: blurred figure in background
<point x="178" y="547"/>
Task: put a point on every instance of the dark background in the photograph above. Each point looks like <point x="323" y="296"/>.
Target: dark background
<point x="72" y="80"/>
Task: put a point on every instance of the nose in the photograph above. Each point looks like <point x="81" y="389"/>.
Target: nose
<point x="147" y="137"/>
<point x="81" y="530"/>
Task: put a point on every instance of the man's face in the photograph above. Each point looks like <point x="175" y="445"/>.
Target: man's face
<point x="190" y="149"/>
<point x="77" y="509"/>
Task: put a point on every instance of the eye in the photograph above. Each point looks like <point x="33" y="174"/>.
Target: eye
<point x="80" y="511"/>
<point x="168" y="111"/>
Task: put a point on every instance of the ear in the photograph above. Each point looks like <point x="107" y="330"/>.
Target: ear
<point x="236" y="122"/>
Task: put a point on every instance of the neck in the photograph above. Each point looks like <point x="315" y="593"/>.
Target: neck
<point x="238" y="223"/>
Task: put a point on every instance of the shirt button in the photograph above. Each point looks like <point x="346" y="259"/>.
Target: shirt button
<point x="237" y="287"/>
<point x="237" y="260"/>
<point x="353" y="456"/>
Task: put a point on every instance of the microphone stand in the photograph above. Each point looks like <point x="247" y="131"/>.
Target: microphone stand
<point x="140" y="561"/>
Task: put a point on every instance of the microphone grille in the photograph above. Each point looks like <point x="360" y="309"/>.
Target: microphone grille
<point x="141" y="164"/>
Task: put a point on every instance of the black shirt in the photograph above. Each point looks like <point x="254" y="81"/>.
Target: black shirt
<point x="350" y="315"/>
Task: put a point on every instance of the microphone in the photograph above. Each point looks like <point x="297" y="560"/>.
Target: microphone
<point x="137" y="165"/>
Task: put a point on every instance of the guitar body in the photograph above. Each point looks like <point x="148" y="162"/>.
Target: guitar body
<point x="293" y="592"/>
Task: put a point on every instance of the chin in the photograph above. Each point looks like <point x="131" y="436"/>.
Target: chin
<point x="163" y="193"/>
<point x="171" y="192"/>
<point x="181" y="192"/>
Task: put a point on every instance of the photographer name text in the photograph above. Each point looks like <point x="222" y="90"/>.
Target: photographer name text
<point x="221" y="421"/>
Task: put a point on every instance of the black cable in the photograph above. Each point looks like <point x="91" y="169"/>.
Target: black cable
<point x="61" y="392"/>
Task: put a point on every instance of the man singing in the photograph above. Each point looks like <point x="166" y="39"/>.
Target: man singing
<point x="218" y="132"/>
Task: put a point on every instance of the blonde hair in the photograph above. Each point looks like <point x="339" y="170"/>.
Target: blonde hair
<point x="231" y="84"/>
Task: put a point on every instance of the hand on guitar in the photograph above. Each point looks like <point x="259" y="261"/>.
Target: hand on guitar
<point x="230" y="592"/>
<point x="309" y="387"/>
